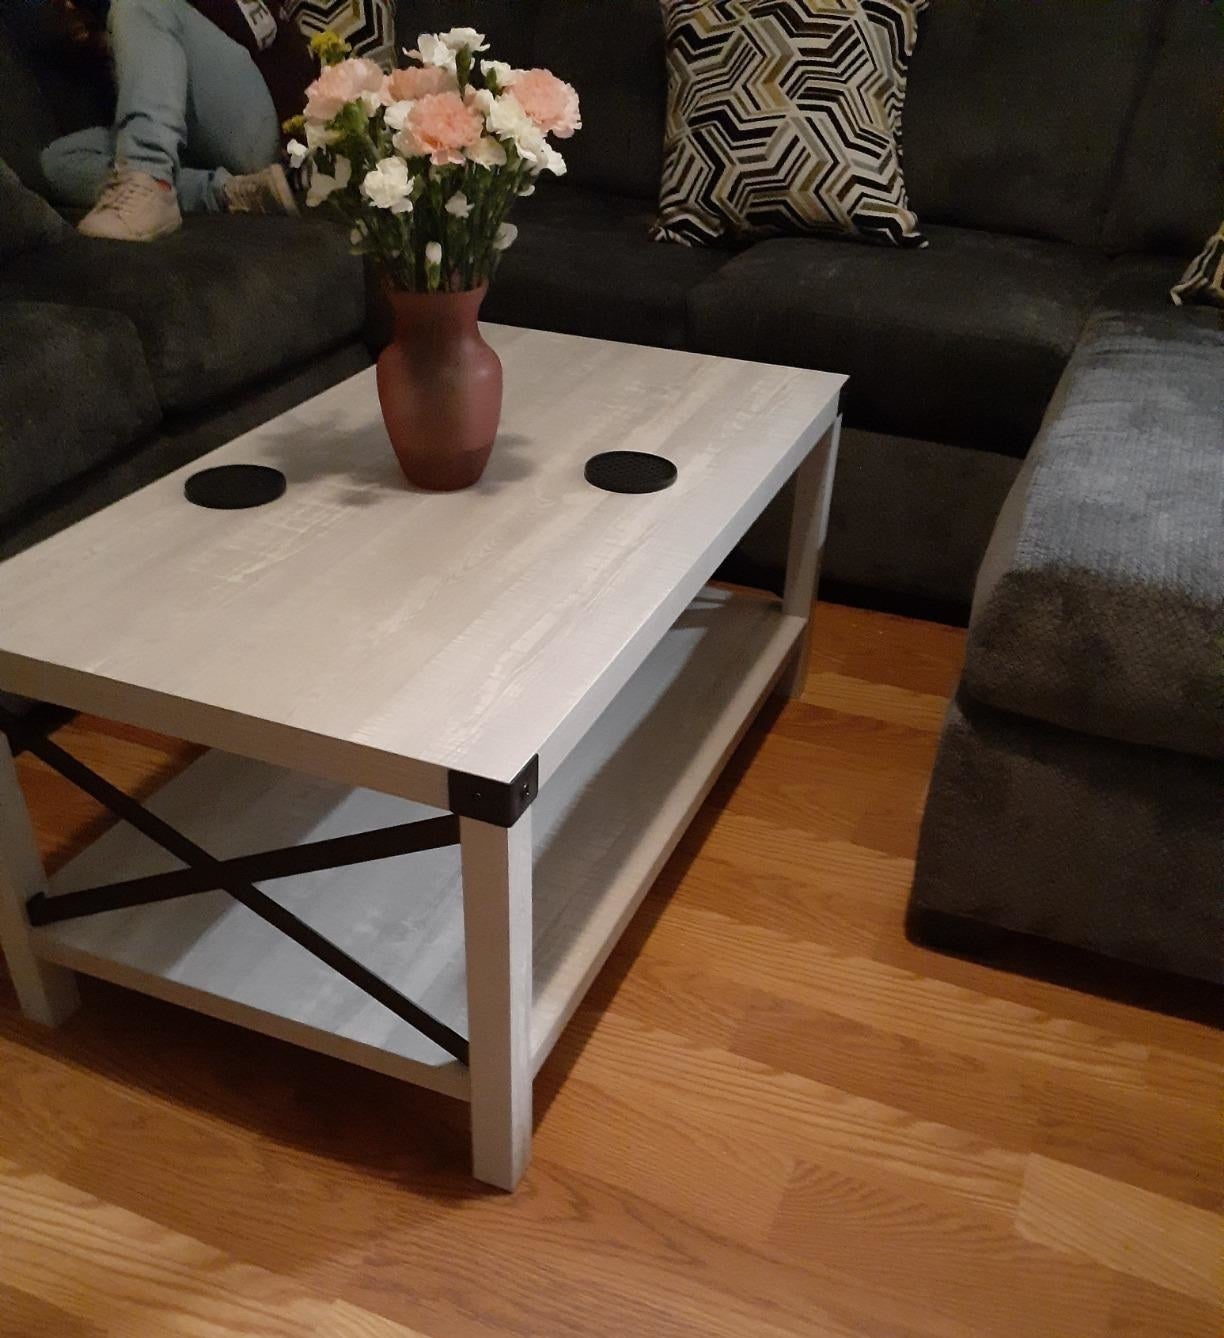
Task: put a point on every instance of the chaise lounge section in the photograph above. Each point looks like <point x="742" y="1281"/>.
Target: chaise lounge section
<point x="1079" y="789"/>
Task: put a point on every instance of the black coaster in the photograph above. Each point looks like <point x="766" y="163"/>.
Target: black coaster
<point x="234" y="487"/>
<point x="630" y="471"/>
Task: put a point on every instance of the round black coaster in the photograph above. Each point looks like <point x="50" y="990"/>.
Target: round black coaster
<point x="234" y="487"/>
<point x="630" y="471"/>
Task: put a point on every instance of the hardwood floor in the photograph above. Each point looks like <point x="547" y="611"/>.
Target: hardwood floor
<point x="772" y="1116"/>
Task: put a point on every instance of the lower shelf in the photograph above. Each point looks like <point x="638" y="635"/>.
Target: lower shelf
<point x="604" y="825"/>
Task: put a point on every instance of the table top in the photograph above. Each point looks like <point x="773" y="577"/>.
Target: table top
<point x="365" y="630"/>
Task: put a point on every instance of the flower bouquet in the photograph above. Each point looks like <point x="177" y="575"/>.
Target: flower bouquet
<point x="424" y="165"/>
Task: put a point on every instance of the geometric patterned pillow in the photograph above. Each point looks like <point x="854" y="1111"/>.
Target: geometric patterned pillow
<point x="1204" y="280"/>
<point x="368" y="26"/>
<point x="784" y="116"/>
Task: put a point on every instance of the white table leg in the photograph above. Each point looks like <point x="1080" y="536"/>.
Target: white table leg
<point x="46" y="993"/>
<point x="497" y="926"/>
<point x="809" y="524"/>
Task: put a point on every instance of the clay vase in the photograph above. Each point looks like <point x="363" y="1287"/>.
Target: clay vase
<point x="440" y="387"/>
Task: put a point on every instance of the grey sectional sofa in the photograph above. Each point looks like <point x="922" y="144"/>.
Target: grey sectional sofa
<point x="1064" y="157"/>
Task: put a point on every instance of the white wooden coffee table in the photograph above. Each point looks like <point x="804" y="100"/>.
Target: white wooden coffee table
<point x="523" y="691"/>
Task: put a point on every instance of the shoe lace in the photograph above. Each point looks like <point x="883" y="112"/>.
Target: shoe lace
<point x="120" y="190"/>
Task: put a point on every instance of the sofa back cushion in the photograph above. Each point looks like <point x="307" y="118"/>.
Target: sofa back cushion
<point x="1017" y="111"/>
<point x="509" y="25"/>
<point x="26" y="120"/>
<point x="1170" y="189"/>
<point x="27" y="221"/>
<point x="612" y="52"/>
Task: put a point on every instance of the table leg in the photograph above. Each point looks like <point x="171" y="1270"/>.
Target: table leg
<point x="809" y="524"/>
<point x="497" y="926"/>
<point x="46" y="993"/>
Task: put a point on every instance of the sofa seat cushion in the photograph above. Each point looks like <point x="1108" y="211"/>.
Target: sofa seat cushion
<point x="1100" y="605"/>
<point x="74" y="391"/>
<point x="584" y="264"/>
<point x="224" y="303"/>
<point x="962" y="343"/>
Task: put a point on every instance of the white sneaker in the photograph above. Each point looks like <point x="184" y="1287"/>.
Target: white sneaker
<point x="133" y="207"/>
<point x="265" y="192"/>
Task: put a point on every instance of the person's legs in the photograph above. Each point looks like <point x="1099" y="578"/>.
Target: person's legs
<point x="185" y="88"/>
<point x="77" y="166"/>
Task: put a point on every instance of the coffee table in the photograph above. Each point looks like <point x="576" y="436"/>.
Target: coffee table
<point x="453" y="737"/>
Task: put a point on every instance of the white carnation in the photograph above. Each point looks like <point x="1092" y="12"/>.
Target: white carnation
<point x="458" y="206"/>
<point x="397" y="113"/>
<point x="387" y="185"/>
<point x="551" y="161"/>
<point x="433" y="254"/>
<point x="506" y="119"/>
<point x="322" y="185"/>
<point x="497" y="70"/>
<point x="486" y="152"/>
<point x="432" y="50"/>
<point x="505" y="236"/>
<point x="464" y="39"/>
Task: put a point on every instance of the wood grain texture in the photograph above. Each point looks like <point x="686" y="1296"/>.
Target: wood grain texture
<point x="603" y="827"/>
<point x="1085" y="1215"/>
<point x="497" y="915"/>
<point x="48" y="994"/>
<point x="771" y="1117"/>
<point x="516" y="609"/>
<point x="110" y="1264"/>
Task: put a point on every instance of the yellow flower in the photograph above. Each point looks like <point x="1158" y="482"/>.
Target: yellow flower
<point x="329" y="47"/>
<point x="294" y="125"/>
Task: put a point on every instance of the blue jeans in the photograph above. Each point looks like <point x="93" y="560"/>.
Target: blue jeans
<point x="192" y="109"/>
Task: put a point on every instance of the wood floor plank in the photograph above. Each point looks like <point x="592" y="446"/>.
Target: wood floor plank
<point x="1181" y="1039"/>
<point x="1139" y="1309"/>
<point x="772" y="1117"/>
<point x="884" y="648"/>
<point x="877" y="701"/>
<point x="962" y="1091"/>
<point x="927" y="1241"/>
<point x="810" y="1119"/>
<point x="123" y="1274"/>
<point x="23" y="1315"/>
<point x="1086" y="1215"/>
<point x="863" y="990"/>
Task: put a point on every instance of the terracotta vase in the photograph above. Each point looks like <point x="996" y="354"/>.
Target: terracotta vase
<point x="440" y="387"/>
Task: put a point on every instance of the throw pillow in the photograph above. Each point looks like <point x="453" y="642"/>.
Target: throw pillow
<point x="368" y="26"/>
<point x="26" y="219"/>
<point x="784" y="116"/>
<point x="1204" y="280"/>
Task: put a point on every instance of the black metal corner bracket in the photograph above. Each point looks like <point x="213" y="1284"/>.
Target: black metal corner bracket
<point x="499" y="803"/>
<point x="235" y="876"/>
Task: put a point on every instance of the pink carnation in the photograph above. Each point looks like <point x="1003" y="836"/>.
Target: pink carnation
<point x="413" y="83"/>
<point x="551" y="103"/>
<point x="443" y="126"/>
<point x="341" y="83"/>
